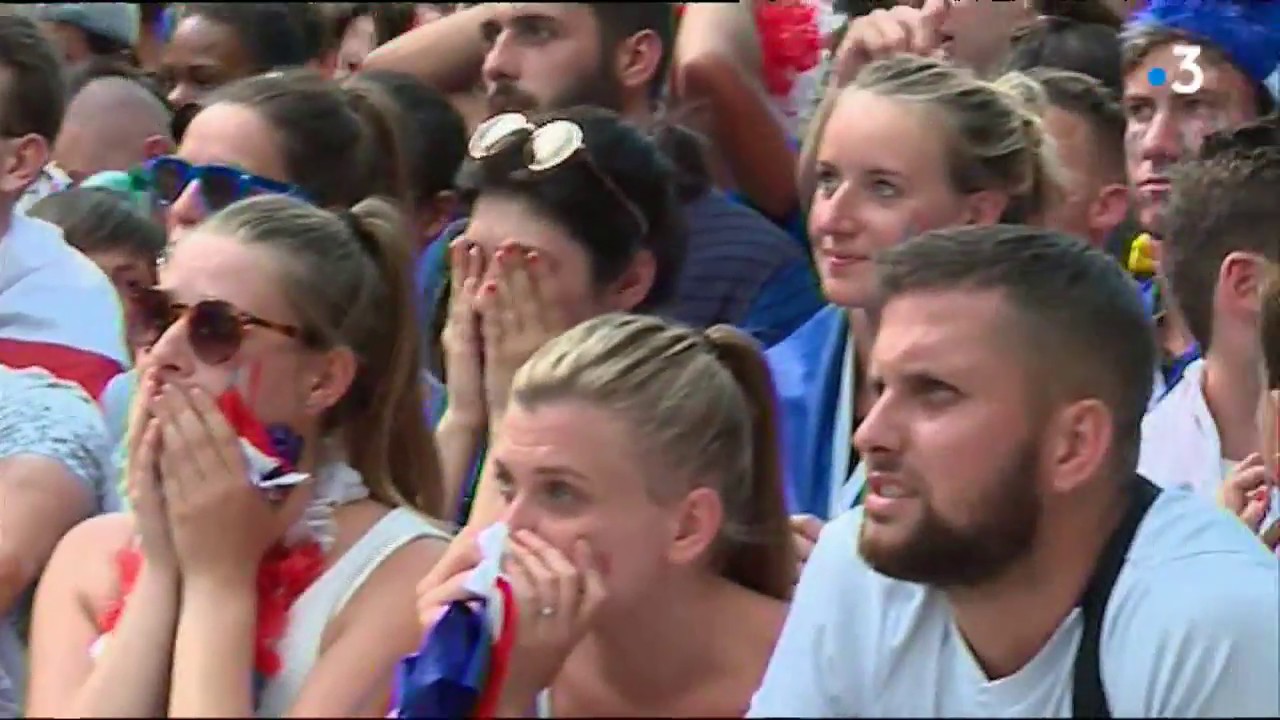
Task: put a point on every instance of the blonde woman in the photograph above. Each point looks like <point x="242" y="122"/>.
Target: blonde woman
<point x="911" y="145"/>
<point x="207" y="597"/>
<point x="649" y="554"/>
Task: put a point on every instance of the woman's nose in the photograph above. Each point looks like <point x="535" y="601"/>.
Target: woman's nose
<point x="519" y="514"/>
<point x="170" y="352"/>
<point x="186" y="211"/>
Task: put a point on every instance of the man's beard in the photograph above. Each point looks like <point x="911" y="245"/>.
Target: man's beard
<point x="943" y="555"/>
<point x="598" y="88"/>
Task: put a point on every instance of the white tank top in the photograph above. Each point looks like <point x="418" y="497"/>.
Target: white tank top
<point x="326" y="597"/>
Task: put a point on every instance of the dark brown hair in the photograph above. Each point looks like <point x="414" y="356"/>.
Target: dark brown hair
<point x="1088" y="99"/>
<point x="1055" y="42"/>
<point x="1221" y="202"/>
<point x="34" y="93"/>
<point x="338" y="145"/>
<point x="1070" y="301"/>
<point x="101" y="220"/>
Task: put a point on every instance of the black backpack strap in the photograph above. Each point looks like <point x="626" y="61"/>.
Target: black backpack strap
<point x="1088" y="698"/>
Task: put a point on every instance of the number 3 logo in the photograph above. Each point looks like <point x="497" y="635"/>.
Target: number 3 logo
<point x="1188" y="67"/>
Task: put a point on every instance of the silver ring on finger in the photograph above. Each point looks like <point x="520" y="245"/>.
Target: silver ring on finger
<point x="547" y="611"/>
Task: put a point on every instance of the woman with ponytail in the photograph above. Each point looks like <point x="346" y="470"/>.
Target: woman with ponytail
<point x="279" y="479"/>
<point x="650" y="556"/>
<point x="291" y="133"/>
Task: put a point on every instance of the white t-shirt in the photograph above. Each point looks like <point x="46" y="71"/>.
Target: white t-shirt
<point x="1192" y="630"/>
<point x="1181" y="447"/>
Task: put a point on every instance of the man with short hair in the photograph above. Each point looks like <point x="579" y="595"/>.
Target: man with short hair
<point x="57" y="309"/>
<point x="1189" y="71"/>
<point x="112" y="123"/>
<point x="1009" y="561"/>
<point x="1221" y="248"/>
<point x="1236" y="45"/>
<point x="1087" y="127"/>
<point x="740" y="269"/>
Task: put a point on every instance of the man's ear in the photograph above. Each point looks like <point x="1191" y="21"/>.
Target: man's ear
<point x="25" y="158"/>
<point x="1108" y="209"/>
<point x="156" y="146"/>
<point x="638" y="58"/>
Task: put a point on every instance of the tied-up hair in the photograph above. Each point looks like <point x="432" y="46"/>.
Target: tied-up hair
<point x="615" y="196"/>
<point x="346" y="277"/>
<point x="701" y="407"/>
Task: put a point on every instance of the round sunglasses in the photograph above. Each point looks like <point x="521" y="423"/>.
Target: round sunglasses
<point x="219" y="185"/>
<point x="544" y="148"/>
<point x="215" y="328"/>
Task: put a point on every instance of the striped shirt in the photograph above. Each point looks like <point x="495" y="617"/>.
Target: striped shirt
<point x="743" y="270"/>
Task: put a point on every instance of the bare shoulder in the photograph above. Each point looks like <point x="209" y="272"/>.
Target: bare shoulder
<point x="84" y="555"/>
<point x="409" y="563"/>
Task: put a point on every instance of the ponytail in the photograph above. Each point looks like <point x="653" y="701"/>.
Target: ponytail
<point x="762" y="558"/>
<point x="346" y="277"/>
<point x="701" y="408"/>
<point x="388" y="439"/>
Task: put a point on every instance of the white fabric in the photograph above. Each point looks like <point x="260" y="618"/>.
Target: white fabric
<point x="845" y="485"/>
<point x="337" y="484"/>
<point x="1192" y="630"/>
<point x="320" y="603"/>
<point x="1157" y="388"/>
<point x="1181" y="447"/>
<point x="842" y="434"/>
<point x="51" y="180"/>
<point x="51" y="293"/>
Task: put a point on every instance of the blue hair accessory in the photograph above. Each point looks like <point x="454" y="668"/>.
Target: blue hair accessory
<point x="1246" y="31"/>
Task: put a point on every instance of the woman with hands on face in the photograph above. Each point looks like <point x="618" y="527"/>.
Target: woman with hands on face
<point x="572" y="215"/>
<point x="213" y="596"/>
<point x="649" y="557"/>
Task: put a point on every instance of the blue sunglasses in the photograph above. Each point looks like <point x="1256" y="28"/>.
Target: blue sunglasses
<point x="219" y="185"/>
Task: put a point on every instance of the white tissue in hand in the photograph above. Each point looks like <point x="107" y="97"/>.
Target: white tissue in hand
<point x="492" y="541"/>
<point x="483" y="580"/>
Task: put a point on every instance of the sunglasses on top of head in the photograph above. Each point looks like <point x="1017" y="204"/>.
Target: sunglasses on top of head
<point x="215" y="328"/>
<point x="219" y="185"/>
<point x="545" y="148"/>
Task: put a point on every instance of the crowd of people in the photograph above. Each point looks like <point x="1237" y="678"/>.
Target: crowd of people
<point x="821" y="359"/>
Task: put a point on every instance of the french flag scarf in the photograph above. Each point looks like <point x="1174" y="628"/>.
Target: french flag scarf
<point x="288" y="568"/>
<point x="459" y="670"/>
